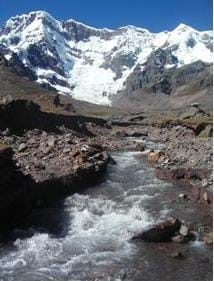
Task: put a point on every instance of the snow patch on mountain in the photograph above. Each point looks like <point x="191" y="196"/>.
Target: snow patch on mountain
<point x="92" y="64"/>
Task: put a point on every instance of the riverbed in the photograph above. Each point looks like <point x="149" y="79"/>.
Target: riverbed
<point x="87" y="236"/>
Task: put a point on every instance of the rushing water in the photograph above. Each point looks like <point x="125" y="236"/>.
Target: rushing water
<point x="87" y="236"/>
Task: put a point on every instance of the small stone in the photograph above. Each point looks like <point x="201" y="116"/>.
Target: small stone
<point x="204" y="183"/>
<point x="6" y="132"/>
<point x="153" y="157"/>
<point x="123" y="275"/>
<point x="206" y="197"/>
<point x="88" y="166"/>
<point x="140" y="147"/>
<point x="178" y="239"/>
<point x="166" y="161"/>
<point x="100" y="163"/>
<point x="40" y="166"/>
<point x="27" y="167"/>
<point x="51" y="141"/>
<point x="183" y="230"/>
<point x="44" y="135"/>
<point x="68" y="136"/>
<point x="69" y="141"/>
<point x="36" y="132"/>
<point x="22" y="147"/>
<point x="84" y="148"/>
<point x="66" y="150"/>
<point x="182" y="196"/>
<point x="208" y="238"/>
<point x="46" y="150"/>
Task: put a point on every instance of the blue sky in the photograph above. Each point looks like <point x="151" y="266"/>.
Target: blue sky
<point x="155" y="15"/>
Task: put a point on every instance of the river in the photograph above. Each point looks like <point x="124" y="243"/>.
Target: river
<point x="87" y="236"/>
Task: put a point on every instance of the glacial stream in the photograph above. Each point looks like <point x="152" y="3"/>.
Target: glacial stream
<point x="86" y="237"/>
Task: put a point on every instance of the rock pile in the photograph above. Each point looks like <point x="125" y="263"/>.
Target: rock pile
<point x="184" y="156"/>
<point x="44" y="166"/>
<point x="46" y="155"/>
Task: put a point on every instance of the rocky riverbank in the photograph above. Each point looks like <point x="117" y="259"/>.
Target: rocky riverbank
<point x="39" y="167"/>
<point x="41" y="162"/>
<point x="51" y="156"/>
<point x="185" y="141"/>
<point x="185" y="156"/>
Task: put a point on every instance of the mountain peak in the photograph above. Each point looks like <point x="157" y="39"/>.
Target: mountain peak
<point x="92" y="64"/>
<point x="23" y="21"/>
<point x="40" y="14"/>
<point x="134" y="28"/>
<point x="87" y="26"/>
<point x="185" y="27"/>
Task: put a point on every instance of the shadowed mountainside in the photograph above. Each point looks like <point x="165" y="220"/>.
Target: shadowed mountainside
<point x="159" y="88"/>
<point x="16" y="86"/>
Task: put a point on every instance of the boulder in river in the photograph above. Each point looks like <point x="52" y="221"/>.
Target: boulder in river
<point x="140" y="147"/>
<point x="154" y="156"/>
<point x="162" y="232"/>
<point x="183" y="196"/>
<point x="137" y="134"/>
<point x="184" y="230"/>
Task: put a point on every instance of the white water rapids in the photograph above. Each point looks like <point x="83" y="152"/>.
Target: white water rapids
<point x="100" y="223"/>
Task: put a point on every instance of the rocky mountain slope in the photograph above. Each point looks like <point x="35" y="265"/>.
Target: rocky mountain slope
<point x="96" y="64"/>
<point x="15" y="86"/>
<point x="164" y="89"/>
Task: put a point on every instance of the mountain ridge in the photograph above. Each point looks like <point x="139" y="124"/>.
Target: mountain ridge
<point x="182" y="24"/>
<point x="93" y="64"/>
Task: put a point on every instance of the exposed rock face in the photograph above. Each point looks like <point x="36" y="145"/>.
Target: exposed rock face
<point x="17" y="65"/>
<point x="155" y="87"/>
<point x="152" y="74"/>
<point x="79" y="32"/>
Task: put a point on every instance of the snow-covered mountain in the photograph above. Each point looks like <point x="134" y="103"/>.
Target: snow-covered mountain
<point x="93" y="64"/>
